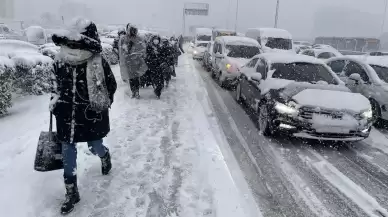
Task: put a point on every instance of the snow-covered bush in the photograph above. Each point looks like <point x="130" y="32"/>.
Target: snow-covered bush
<point x="32" y="73"/>
<point x="109" y="54"/>
<point x="7" y="69"/>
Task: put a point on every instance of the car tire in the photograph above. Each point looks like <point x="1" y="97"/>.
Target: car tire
<point x="239" y="99"/>
<point x="376" y="111"/>
<point x="264" y="120"/>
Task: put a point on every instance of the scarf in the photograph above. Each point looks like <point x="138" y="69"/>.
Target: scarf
<point x="95" y="77"/>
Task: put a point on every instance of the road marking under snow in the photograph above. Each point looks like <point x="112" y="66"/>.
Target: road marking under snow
<point x="348" y="187"/>
<point x="230" y="161"/>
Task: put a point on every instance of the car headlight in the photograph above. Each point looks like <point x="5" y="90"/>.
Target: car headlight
<point x="290" y="108"/>
<point x="228" y="66"/>
<point x="368" y="114"/>
<point x="195" y="52"/>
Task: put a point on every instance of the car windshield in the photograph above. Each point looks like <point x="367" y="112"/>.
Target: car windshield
<point x="382" y="72"/>
<point x="242" y="51"/>
<point x="204" y="37"/>
<point x="279" y="43"/>
<point x="202" y="45"/>
<point x="303" y="72"/>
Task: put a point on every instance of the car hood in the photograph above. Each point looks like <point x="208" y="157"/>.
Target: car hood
<point x="236" y="61"/>
<point x="200" y="49"/>
<point x="332" y="99"/>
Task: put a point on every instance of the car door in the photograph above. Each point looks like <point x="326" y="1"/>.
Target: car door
<point x="215" y="50"/>
<point x="355" y="68"/>
<point x="246" y="72"/>
<point x="254" y="90"/>
<point x="218" y="58"/>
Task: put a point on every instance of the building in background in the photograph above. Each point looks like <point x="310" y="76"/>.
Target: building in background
<point x="6" y="9"/>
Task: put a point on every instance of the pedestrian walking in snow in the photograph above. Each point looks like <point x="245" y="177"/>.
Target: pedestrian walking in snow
<point x="83" y="87"/>
<point x="132" y="65"/>
<point x="154" y="62"/>
<point x="167" y="55"/>
<point x="116" y="42"/>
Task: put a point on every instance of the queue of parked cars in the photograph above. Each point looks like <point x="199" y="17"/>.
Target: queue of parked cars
<point x="314" y="92"/>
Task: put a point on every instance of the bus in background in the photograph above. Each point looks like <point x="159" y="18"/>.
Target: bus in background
<point x="222" y="32"/>
<point x="272" y="39"/>
<point x="202" y="35"/>
<point x="351" y="45"/>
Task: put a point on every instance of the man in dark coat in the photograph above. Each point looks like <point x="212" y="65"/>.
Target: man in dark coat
<point x="154" y="61"/>
<point x="83" y="87"/>
<point x="167" y="55"/>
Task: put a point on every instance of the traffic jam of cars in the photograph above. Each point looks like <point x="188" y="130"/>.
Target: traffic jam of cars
<point x="298" y="89"/>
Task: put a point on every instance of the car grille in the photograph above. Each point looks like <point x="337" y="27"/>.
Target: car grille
<point x="307" y="113"/>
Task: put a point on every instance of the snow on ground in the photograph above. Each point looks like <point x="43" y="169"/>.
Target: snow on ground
<point x="165" y="154"/>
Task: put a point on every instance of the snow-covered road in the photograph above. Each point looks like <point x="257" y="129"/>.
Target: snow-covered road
<point x="296" y="178"/>
<point x="170" y="158"/>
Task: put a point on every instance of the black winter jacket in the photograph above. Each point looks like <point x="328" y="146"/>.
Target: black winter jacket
<point x="73" y="106"/>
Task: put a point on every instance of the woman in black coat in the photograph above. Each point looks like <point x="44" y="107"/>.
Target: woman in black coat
<point x="154" y="61"/>
<point x="83" y="87"/>
<point x="167" y="55"/>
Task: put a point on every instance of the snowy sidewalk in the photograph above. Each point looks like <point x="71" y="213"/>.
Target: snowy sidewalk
<point x="166" y="155"/>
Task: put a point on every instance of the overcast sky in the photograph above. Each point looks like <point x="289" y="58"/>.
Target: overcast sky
<point x="297" y="16"/>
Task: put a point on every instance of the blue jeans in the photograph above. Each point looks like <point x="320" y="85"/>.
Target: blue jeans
<point x="69" y="153"/>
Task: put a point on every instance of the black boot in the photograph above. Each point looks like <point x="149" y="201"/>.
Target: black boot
<point x="106" y="164"/>
<point x="72" y="198"/>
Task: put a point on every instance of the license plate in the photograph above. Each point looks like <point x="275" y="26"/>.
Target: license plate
<point x="332" y="130"/>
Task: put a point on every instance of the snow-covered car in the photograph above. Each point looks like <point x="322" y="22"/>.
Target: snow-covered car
<point x="378" y="53"/>
<point x="322" y="46"/>
<point x="300" y="96"/>
<point x="272" y="39"/>
<point x="324" y="53"/>
<point x="32" y="73"/>
<point x="36" y="35"/>
<point x="207" y="57"/>
<point x="302" y="43"/>
<point x="299" y="48"/>
<point x="199" y="49"/>
<point x="367" y="75"/>
<point x="229" y="54"/>
<point x="8" y="33"/>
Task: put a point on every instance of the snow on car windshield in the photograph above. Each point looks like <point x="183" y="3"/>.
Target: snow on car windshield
<point x="302" y="72"/>
<point x="279" y="43"/>
<point x="242" y="51"/>
<point x="202" y="45"/>
<point x="382" y="72"/>
<point x="204" y="38"/>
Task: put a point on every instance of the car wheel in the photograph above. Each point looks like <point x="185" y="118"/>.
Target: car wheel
<point x="264" y="120"/>
<point x="238" y="93"/>
<point x="376" y="113"/>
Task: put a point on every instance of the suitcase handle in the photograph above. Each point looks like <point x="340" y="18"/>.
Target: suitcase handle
<point x="51" y="127"/>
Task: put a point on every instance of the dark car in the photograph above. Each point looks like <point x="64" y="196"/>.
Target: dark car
<point x="300" y="96"/>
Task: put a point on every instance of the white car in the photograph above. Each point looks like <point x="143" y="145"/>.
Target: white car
<point x="367" y="75"/>
<point x="324" y="53"/>
<point x="229" y="54"/>
<point x="300" y="96"/>
<point x="199" y="49"/>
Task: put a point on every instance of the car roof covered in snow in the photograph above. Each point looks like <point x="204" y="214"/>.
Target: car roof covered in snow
<point x="273" y="33"/>
<point x="205" y="31"/>
<point x="319" y="51"/>
<point x="238" y="40"/>
<point x="289" y="58"/>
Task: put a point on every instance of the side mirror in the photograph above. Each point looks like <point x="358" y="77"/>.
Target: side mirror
<point x="218" y="55"/>
<point x="256" y="77"/>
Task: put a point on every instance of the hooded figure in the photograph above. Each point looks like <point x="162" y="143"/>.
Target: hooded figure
<point x="132" y="65"/>
<point x="154" y="62"/>
<point x="116" y="41"/>
<point x="83" y="87"/>
<point x="167" y="55"/>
